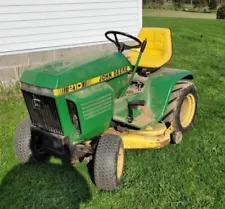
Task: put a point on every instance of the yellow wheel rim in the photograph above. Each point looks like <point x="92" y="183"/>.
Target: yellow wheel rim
<point x="187" y="111"/>
<point x="120" y="162"/>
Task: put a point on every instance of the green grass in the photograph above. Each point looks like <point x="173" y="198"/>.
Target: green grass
<point x="190" y="175"/>
<point x="173" y="13"/>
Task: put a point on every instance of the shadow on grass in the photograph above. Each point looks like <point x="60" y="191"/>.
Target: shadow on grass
<point x="43" y="186"/>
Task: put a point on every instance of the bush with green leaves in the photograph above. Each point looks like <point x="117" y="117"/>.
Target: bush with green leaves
<point x="221" y="13"/>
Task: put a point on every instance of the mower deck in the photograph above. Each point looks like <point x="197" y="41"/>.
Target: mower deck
<point x="156" y="136"/>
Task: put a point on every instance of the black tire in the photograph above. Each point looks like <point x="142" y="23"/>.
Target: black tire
<point x="107" y="176"/>
<point x="26" y="146"/>
<point x="180" y="92"/>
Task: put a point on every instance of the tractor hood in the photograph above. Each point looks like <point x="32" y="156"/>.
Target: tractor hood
<point x="63" y="73"/>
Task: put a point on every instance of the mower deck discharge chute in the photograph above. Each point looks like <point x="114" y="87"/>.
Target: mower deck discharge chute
<point x="93" y="111"/>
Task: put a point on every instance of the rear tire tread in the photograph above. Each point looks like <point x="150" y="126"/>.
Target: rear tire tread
<point x="175" y="95"/>
<point x="171" y="115"/>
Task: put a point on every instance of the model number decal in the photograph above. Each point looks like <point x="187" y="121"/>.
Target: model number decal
<point x="98" y="79"/>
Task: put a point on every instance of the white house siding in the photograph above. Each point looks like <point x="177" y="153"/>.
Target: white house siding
<point x="39" y="25"/>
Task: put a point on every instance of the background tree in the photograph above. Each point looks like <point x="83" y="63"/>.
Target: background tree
<point x="178" y="3"/>
<point x="153" y="3"/>
<point x="212" y="4"/>
<point x="200" y="3"/>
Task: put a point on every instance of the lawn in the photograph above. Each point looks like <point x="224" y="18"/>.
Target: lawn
<point x="190" y="175"/>
<point x="173" y="13"/>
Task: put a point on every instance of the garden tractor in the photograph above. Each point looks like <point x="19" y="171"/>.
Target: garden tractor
<point x="95" y="110"/>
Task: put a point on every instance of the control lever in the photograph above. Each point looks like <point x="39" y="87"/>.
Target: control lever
<point x="131" y="105"/>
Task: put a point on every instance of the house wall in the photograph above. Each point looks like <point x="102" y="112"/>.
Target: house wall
<point x="36" y="32"/>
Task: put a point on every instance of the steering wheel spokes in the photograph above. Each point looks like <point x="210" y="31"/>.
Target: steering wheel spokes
<point x="121" y="46"/>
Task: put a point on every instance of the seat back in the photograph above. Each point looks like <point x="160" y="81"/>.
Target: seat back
<point x="158" y="50"/>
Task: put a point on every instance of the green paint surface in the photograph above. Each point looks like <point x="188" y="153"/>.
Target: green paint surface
<point x="95" y="111"/>
<point x="160" y="87"/>
<point x="95" y="104"/>
<point x="156" y="93"/>
<point x="63" y="73"/>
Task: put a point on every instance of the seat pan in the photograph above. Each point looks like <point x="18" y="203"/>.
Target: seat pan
<point x="158" y="50"/>
<point x="149" y="59"/>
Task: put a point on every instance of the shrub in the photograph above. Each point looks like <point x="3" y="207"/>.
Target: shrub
<point x="221" y="13"/>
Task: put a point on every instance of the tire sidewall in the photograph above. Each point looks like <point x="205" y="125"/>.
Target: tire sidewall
<point x="22" y="141"/>
<point x="25" y="145"/>
<point x="119" y="180"/>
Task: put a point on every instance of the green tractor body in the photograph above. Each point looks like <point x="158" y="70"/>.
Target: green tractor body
<point x="92" y="91"/>
<point x="72" y="106"/>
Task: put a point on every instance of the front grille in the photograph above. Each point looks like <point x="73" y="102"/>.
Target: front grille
<point x="43" y="112"/>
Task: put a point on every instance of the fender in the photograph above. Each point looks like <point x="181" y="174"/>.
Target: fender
<point x="160" y="85"/>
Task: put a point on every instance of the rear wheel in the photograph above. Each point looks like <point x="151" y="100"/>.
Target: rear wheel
<point x="28" y="149"/>
<point x="181" y="110"/>
<point x="109" y="162"/>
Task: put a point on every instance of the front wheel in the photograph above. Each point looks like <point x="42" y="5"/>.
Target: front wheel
<point x="181" y="110"/>
<point x="109" y="162"/>
<point x="28" y="149"/>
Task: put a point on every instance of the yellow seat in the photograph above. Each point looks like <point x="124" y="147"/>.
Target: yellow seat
<point x="158" y="50"/>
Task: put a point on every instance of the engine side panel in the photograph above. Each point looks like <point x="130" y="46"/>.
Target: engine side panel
<point x="94" y="108"/>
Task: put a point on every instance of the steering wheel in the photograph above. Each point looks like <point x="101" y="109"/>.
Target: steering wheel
<point x="120" y="45"/>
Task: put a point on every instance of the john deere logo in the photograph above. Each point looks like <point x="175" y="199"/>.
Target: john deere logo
<point x="91" y="81"/>
<point x="36" y="104"/>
